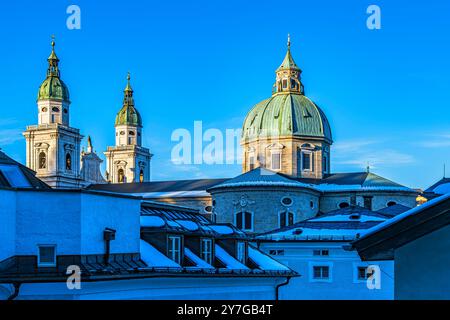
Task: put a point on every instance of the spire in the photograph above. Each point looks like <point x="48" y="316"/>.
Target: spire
<point x="53" y="61"/>
<point x="288" y="74"/>
<point x="89" y="147"/>
<point x="128" y="93"/>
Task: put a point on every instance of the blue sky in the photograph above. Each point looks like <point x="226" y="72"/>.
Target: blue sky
<point x="385" y="92"/>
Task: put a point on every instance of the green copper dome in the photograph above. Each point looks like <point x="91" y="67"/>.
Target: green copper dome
<point x="53" y="87"/>
<point x="290" y="114"/>
<point x="128" y="115"/>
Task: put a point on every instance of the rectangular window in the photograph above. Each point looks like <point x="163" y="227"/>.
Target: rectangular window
<point x="47" y="256"/>
<point x="276" y="161"/>
<point x="284" y="84"/>
<point x="174" y="249"/>
<point x="240" y="251"/>
<point x="319" y="252"/>
<point x="368" y="203"/>
<point x="276" y="252"/>
<point x="325" y="164"/>
<point x="248" y="221"/>
<point x="321" y="272"/>
<point x="251" y="163"/>
<point x="282" y="219"/>
<point x="306" y="161"/>
<point x="206" y="250"/>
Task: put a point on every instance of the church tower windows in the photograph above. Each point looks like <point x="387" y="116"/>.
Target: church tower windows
<point x="42" y="160"/>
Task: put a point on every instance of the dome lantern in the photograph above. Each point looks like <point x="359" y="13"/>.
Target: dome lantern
<point x="128" y="115"/>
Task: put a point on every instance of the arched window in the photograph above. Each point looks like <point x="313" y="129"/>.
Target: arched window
<point x="68" y="162"/>
<point x="141" y="176"/>
<point x="286" y="219"/>
<point x="42" y="160"/>
<point x="343" y="205"/>
<point x="120" y="176"/>
<point x="244" y="220"/>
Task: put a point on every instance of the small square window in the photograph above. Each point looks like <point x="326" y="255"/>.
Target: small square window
<point x="276" y="252"/>
<point x="47" y="256"/>
<point x="363" y="273"/>
<point x="321" y="272"/>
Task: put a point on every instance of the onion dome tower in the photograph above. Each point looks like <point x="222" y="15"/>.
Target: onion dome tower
<point x="287" y="133"/>
<point x="53" y="147"/>
<point x="128" y="161"/>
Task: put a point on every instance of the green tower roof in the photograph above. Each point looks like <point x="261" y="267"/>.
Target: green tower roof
<point x="128" y="115"/>
<point x="53" y="87"/>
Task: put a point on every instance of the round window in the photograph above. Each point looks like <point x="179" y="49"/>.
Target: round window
<point x="131" y="133"/>
<point x="55" y="109"/>
<point x="208" y="209"/>
<point x="122" y="133"/>
<point x="286" y="201"/>
<point x="44" y="109"/>
<point x="343" y="205"/>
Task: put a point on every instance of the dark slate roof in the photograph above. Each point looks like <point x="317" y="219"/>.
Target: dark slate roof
<point x="381" y="241"/>
<point x="394" y="210"/>
<point x="260" y="177"/>
<point x="158" y="186"/>
<point x="365" y="179"/>
<point x="29" y="174"/>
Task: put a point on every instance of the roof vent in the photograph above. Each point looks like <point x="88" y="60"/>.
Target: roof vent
<point x="355" y="216"/>
<point x="297" y="232"/>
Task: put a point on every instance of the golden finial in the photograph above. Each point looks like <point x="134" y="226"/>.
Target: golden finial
<point x="289" y="41"/>
<point x="128" y="76"/>
<point x="53" y="41"/>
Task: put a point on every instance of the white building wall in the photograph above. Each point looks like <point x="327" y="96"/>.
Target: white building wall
<point x="343" y="283"/>
<point x="174" y="288"/>
<point x="7" y="223"/>
<point x="422" y="267"/>
<point x="121" y="214"/>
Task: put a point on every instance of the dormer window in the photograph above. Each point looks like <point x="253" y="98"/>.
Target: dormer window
<point x="240" y="252"/>
<point x="47" y="256"/>
<point x="174" y="248"/>
<point x="206" y="250"/>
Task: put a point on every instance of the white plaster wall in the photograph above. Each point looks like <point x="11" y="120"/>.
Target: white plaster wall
<point x="422" y="267"/>
<point x="176" y="288"/>
<point x="121" y="214"/>
<point x="343" y="285"/>
<point x="7" y="223"/>
<point x="48" y="218"/>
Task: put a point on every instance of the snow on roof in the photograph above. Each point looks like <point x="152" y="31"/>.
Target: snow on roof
<point x="349" y="217"/>
<point x="200" y="263"/>
<point x="442" y="189"/>
<point x="325" y="187"/>
<point x="228" y="260"/>
<point x="154" y="258"/>
<point x="190" y="225"/>
<point x="172" y="194"/>
<point x="222" y="229"/>
<point x="313" y="234"/>
<point x="173" y="224"/>
<point x="264" y="261"/>
<point x="405" y="214"/>
<point x="152" y="221"/>
<point x="14" y="176"/>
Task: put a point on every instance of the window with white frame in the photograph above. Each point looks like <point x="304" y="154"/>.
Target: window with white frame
<point x="307" y="161"/>
<point x="251" y="162"/>
<point x="240" y="251"/>
<point x="174" y="249"/>
<point x="286" y="218"/>
<point x="321" y="252"/>
<point x="206" y="250"/>
<point x="46" y="256"/>
<point x="276" y="161"/>
<point x="320" y="271"/>
<point x="244" y="220"/>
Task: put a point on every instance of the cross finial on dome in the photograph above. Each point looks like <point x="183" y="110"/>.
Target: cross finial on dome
<point x="289" y="41"/>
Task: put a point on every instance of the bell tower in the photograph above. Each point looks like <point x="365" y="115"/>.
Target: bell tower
<point x="128" y="161"/>
<point x="53" y="147"/>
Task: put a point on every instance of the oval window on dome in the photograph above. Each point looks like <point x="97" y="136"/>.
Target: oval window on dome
<point x="343" y="205"/>
<point x="391" y="203"/>
<point x="286" y="201"/>
<point x="131" y="133"/>
<point x="122" y="133"/>
<point x="208" y="209"/>
<point x="44" y="109"/>
<point x="55" y="109"/>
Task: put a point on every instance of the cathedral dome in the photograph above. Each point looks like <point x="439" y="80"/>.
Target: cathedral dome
<point x="128" y="115"/>
<point x="290" y="114"/>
